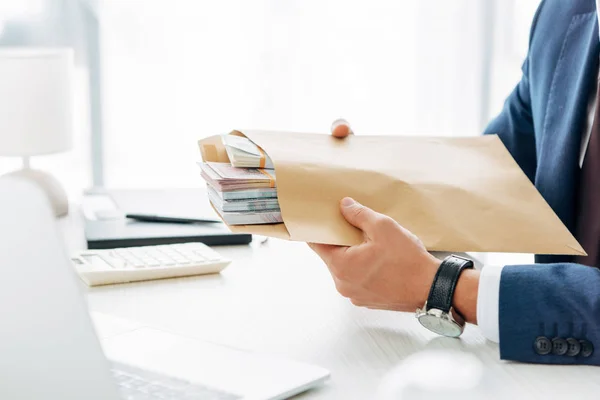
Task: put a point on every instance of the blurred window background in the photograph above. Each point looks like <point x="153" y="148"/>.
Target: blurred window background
<point x="154" y="76"/>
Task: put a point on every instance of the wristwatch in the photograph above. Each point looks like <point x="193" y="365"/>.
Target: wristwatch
<point x="437" y="314"/>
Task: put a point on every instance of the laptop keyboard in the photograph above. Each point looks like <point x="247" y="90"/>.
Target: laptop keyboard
<point x="139" y="384"/>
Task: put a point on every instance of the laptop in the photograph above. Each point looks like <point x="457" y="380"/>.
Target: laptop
<point x="49" y="349"/>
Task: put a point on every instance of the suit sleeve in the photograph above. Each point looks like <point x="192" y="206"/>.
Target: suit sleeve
<point x="550" y="305"/>
<point x="514" y="125"/>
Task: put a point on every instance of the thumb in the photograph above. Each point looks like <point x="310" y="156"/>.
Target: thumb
<point x="340" y="128"/>
<point x="358" y="215"/>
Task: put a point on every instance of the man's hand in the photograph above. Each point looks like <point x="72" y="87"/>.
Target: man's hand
<point x="340" y="128"/>
<point x="390" y="270"/>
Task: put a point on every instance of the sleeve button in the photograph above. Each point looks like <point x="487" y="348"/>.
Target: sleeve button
<point x="542" y="345"/>
<point x="574" y="348"/>
<point x="587" y="348"/>
<point x="559" y="346"/>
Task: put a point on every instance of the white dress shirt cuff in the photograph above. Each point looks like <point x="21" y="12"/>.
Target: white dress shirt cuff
<point x="488" y="302"/>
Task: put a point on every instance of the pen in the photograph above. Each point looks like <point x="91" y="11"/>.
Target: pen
<point x="176" y="220"/>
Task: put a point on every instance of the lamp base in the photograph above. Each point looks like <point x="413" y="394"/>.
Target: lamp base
<point x="50" y="185"/>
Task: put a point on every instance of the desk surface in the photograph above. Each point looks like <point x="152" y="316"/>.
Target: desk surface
<point x="279" y="298"/>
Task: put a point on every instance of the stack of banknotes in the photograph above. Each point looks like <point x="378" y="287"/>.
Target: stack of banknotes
<point x="244" y="192"/>
<point x="243" y="153"/>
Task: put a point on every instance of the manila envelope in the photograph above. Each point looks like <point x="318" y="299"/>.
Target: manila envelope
<point x="456" y="194"/>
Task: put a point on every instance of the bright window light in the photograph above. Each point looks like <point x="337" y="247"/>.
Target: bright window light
<point x="11" y="9"/>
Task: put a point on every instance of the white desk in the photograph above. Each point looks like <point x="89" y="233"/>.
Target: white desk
<point x="278" y="298"/>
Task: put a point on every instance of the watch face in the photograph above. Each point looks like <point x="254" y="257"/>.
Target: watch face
<point x="440" y="326"/>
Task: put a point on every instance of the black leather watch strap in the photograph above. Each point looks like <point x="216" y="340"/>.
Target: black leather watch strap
<point x="444" y="283"/>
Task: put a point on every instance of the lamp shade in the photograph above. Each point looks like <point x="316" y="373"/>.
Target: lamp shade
<point x="36" y="101"/>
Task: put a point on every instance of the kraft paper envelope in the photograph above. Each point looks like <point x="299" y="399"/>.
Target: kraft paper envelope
<point x="455" y="193"/>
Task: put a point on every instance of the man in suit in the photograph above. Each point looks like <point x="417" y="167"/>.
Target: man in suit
<point x="548" y="312"/>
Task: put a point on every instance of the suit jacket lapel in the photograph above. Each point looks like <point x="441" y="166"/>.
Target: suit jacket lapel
<point x="566" y="115"/>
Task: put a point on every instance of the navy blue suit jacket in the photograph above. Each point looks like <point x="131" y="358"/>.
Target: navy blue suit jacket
<point x="541" y="125"/>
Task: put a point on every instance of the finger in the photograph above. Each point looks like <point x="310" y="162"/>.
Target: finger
<point x="327" y="251"/>
<point x="340" y="128"/>
<point x="358" y="215"/>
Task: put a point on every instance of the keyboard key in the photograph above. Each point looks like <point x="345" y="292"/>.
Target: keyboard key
<point x="116" y="263"/>
<point x="153" y="264"/>
<point x="138" y="263"/>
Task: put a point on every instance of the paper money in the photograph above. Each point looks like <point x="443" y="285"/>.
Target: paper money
<point x="261" y="193"/>
<point x="242" y="205"/>
<point x="224" y="177"/>
<point x="250" y="218"/>
<point x="243" y="153"/>
<point x="242" y="196"/>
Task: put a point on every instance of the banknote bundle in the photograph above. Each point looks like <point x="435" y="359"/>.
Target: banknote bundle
<point x="243" y="153"/>
<point x="242" y="196"/>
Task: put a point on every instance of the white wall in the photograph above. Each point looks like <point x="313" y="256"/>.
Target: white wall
<point x="178" y="73"/>
<point x="178" y="70"/>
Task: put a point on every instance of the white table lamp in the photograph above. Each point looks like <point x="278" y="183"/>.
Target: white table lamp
<point x="36" y="111"/>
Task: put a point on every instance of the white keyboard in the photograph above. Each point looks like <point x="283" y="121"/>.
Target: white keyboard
<point x="138" y="384"/>
<point x="103" y="267"/>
